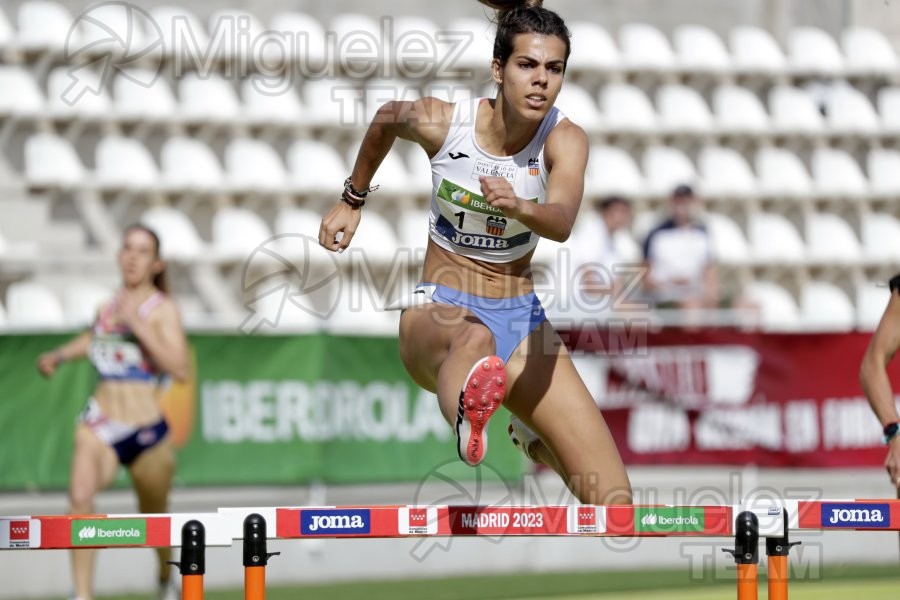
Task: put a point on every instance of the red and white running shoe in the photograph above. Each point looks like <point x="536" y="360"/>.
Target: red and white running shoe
<point x="480" y="398"/>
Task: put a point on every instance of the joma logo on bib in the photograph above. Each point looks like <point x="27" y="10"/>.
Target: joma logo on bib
<point x="487" y="242"/>
<point x="335" y="521"/>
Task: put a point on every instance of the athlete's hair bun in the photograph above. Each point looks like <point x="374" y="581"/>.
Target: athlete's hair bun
<point x="507" y="5"/>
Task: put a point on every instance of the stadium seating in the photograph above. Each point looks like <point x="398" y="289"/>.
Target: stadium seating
<point x="31" y="304"/>
<point x="774" y="137"/>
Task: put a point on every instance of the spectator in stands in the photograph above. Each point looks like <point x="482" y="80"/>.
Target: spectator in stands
<point x="508" y="170"/>
<point x="680" y="272"/>
<point x="875" y="383"/>
<point x="136" y="341"/>
<point x="597" y="252"/>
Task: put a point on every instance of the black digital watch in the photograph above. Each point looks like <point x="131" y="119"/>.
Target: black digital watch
<point x="891" y="430"/>
<point x="894" y="283"/>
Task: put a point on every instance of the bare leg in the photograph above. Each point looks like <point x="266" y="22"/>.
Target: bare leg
<point x="94" y="466"/>
<point x="439" y="344"/>
<point x="547" y="393"/>
<point x="151" y="474"/>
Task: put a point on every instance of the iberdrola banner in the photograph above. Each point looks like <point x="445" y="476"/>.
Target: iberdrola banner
<point x="259" y="410"/>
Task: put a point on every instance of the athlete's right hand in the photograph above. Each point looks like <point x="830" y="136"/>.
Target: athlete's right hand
<point x="47" y="363"/>
<point x="342" y="219"/>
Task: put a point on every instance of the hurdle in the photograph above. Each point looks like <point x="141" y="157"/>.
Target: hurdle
<point x="746" y="523"/>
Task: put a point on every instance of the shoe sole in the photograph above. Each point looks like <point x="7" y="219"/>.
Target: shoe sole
<point x="479" y="399"/>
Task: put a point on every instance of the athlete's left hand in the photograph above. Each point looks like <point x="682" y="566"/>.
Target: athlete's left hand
<point x="499" y="193"/>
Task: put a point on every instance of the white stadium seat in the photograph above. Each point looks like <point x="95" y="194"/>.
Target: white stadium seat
<point x="4" y="320"/>
<point x="593" y="48"/>
<point x="698" y="48"/>
<point x="774" y="239"/>
<point x="811" y="50"/>
<point x="298" y="221"/>
<point x="375" y="239"/>
<point x="871" y="300"/>
<point x="837" y="174"/>
<point x="32" y="304"/>
<point x="578" y="105"/>
<point x="254" y="165"/>
<point x="208" y="97"/>
<point x="825" y="307"/>
<point x="728" y="241"/>
<point x="108" y="26"/>
<point x="82" y="301"/>
<point x="738" y="110"/>
<point x="830" y="240"/>
<point x="793" y="111"/>
<point x="418" y="165"/>
<point x="881" y="238"/>
<point x="142" y="94"/>
<point x="19" y="93"/>
<point x="51" y="161"/>
<point x="868" y="52"/>
<point x="665" y="168"/>
<point x="184" y="35"/>
<point x="189" y="163"/>
<point x="349" y="27"/>
<point x="850" y="112"/>
<point x="611" y="170"/>
<point x="306" y="28"/>
<point x="380" y="91"/>
<point x="755" y="51"/>
<point x="7" y="33"/>
<point x="477" y="54"/>
<point x="781" y="173"/>
<point x="125" y="162"/>
<point x="391" y="176"/>
<point x="268" y="103"/>
<point x="884" y="171"/>
<point x="236" y="232"/>
<point x="316" y="167"/>
<point x="333" y="102"/>
<point x="86" y="97"/>
<point x="45" y="26"/>
<point x="889" y="108"/>
<point x="645" y="48"/>
<point x="413" y="229"/>
<point x="178" y="238"/>
<point x="682" y="110"/>
<point x="779" y="310"/>
<point x="725" y="172"/>
<point x="627" y="108"/>
<point x="239" y="32"/>
<point x="360" y="311"/>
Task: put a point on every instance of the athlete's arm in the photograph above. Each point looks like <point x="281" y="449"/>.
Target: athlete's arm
<point x="424" y="121"/>
<point x="874" y="378"/>
<point x="76" y="348"/>
<point x="162" y="336"/>
<point x="873" y="372"/>
<point x="566" y="153"/>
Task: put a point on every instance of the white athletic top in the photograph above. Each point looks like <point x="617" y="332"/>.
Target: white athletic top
<point x="461" y="221"/>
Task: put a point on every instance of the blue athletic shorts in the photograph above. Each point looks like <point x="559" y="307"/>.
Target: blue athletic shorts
<point x="509" y="319"/>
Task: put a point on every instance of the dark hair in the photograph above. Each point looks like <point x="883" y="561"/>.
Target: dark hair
<point x="611" y="201"/>
<point x="524" y="16"/>
<point x="160" y="280"/>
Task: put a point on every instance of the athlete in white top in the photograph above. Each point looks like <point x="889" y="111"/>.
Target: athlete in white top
<point x="506" y="171"/>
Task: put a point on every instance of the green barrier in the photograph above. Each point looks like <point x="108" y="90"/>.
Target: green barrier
<point x="261" y="410"/>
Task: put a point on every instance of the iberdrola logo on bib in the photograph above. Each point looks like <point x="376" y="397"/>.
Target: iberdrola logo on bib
<point x="109" y="532"/>
<point x="669" y="520"/>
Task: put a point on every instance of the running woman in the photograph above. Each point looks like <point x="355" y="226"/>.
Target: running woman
<point x="506" y="171"/>
<point x="135" y="342"/>
<point x="875" y="383"/>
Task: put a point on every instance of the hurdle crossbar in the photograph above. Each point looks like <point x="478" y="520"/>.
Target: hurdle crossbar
<point x="223" y="527"/>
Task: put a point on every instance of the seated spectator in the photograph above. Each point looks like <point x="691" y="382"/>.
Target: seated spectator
<point x="596" y="249"/>
<point x="680" y="272"/>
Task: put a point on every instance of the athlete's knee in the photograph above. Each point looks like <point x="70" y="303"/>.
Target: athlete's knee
<point x="474" y="337"/>
<point x="81" y="498"/>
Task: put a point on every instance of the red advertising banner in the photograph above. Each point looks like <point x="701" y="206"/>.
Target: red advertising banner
<point x="730" y="397"/>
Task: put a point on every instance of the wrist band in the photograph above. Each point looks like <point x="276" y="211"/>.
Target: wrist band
<point x="894" y="284"/>
<point x="356" y="199"/>
<point x="891" y="430"/>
